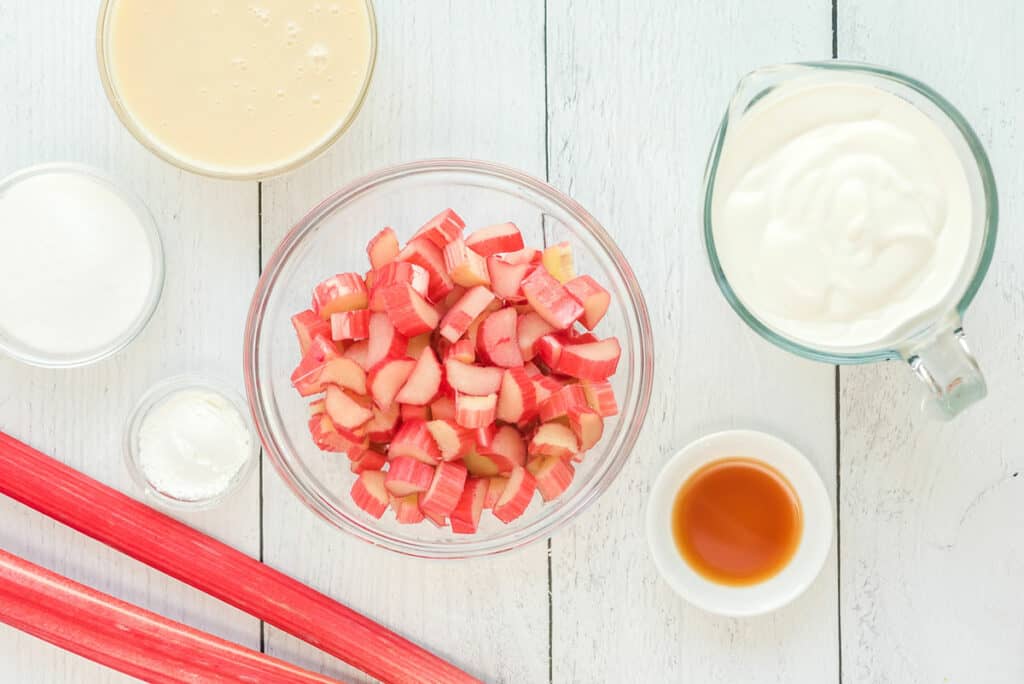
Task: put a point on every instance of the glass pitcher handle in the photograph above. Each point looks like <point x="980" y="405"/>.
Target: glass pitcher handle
<point x="947" y="366"/>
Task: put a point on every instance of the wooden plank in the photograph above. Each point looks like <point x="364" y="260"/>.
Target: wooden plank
<point x="465" y="79"/>
<point x="53" y="108"/>
<point x="932" y="550"/>
<point x="635" y="96"/>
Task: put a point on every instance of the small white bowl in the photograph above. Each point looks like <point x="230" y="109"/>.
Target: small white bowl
<point x="774" y="592"/>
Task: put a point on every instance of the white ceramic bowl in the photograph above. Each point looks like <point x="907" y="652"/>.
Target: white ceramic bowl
<point x="775" y="591"/>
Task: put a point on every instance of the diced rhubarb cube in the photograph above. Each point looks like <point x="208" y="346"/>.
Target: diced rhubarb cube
<point x="343" y="292"/>
<point x="410" y="313"/>
<point x="306" y="377"/>
<point x="545" y="386"/>
<point x="407" y="509"/>
<point x="381" y="427"/>
<point x="443" y="408"/>
<point x="409" y="412"/>
<point x="438" y="520"/>
<point x="344" y="410"/>
<point x="601" y="397"/>
<point x="529" y="328"/>
<point x="517" y="397"/>
<point x="382" y="248"/>
<point x="483" y="436"/>
<point x="553" y="475"/>
<point x="549" y="349"/>
<point x="416" y="345"/>
<point x="307" y="326"/>
<point x="424" y="253"/>
<point x="466" y="267"/>
<point x="393" y="274"/>
<point x="345" y="373"/>
<point x="350" y="325"/>
<point x="558" y="261"/>
<point x="474" y="412"/>
<point x="498" y="339"/>
<point x="457" y="320"/>
<point x="590" y="361"/>
<point x="357" y="351"/>
<point x="408" y="476"/>
<point x="386" y="378"/>
<point x="445" y="489"/>
<point x="503" y="237"/>
<point x="462" y="350"/>
<point x="475" y="380"/>
<point x="551" y="300"/>
<point x="385" y="342"/>
<point x="516" y="496"/>
<point x="442" y="229"/>
<point x="508" y="270"/>
<point x="369" y="493"/>
<point x="465" y="517"/>
<point x="554" y="439"/>
<point x="592" y="297"/>
<point x="509" y="445"/>
<point x="485" y="465"/>
<point x="414" y="440"/>
<point x="559" y="403"/>
<point x="453" y="440"/>
<point x="326" y="436"/>
<point x="587" y="425"/>
<point x="495" y="486"/>
<point x="368" y="459"/>
<point x="423" y="383"/>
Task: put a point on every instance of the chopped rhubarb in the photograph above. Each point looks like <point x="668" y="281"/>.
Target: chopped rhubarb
<point x="554" y="439"/>
<point x="601" y="397"/>
<point x="414" y="440"/>
<point x="382" y="248"/>
<point x="509" y="445"/>
<point x="516" y="496"/>
<point x="550" y="299"/>
<point x="517" y="397"/>
<point x="408" y="475"/>
<point x="307" y="326"/>
<point x="409" y="412"/>
<point x="386" y="379"/>
<point x="443" y="408"/>
<point x="453" y="440"/>
<point x="457" y="320"/>
<point x="344" y="410"/>
<point x="369" y="492"/>
<point x="306" y="377"/>
<point x="558" y="261"/>
<point x="407" y="509"/>
<point x="498" y="339"/>
<point x="350" y="325"/>
<point x="463" y="351"/>
<point x="508" y="270"/>
<point x="587" y="425"/>
<point x="475" y="380"/>
<point x="442" y="229"/>
<point x="358" y="351"/>
<point x="559" y="403"/>
<point x="410" y="313"/>
<point x="385" y="342"/>
<point x="416" y="345"/>
<point x="368" y="459"/>
<point x="445" y="489"/>
<point x="465" y="517"/>
<point x="344" y="373"/>
<point x="423" y="383"/>
<point x="529" y="329"/>
<point x="590" y="361"/>
<point x="592" y="297"/>
<point x="394" y="274"/>
<point x="466" y="267"/>
<point x="343" y="292"/>
<point x="553" y="475"/>
<point x="502" y="237"/>
<point x="426" y="254"/>
<point x="495" y="486"/>
<point x="474" y="412"/>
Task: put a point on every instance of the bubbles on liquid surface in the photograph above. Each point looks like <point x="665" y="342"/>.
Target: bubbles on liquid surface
<point x="318" y="54"/>
<point x="315" y="99"/>
<point x="261" y="13"/>
<point x="334" y="9"/>
<point x="240" y="63"/>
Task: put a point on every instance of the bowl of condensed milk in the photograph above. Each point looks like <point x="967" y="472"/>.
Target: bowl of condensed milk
<point x="237" y="90"/>
<point x="850" y="216"/>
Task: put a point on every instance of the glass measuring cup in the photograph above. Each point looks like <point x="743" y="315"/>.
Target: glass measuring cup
<point x="935" y="346"/>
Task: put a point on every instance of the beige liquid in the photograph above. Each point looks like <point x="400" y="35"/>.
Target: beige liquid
<point x="238" y="87"/>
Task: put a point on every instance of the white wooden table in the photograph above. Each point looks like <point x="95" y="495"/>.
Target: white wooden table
<point x="616" y="103"/>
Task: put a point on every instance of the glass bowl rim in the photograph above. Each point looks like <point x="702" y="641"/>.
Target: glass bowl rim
<point x="150" y="142"/>
<point x="984" y="257"/>
<point x="544" y="526"/>
<point x="156" y="287"/>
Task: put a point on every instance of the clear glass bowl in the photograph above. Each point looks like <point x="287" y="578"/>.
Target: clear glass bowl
<point x="332" y="239"/>
<point x="154" y="397"/>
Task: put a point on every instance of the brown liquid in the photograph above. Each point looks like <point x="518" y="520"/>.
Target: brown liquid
<point x="737" y="521"/>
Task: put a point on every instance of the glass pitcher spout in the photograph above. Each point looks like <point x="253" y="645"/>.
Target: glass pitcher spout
<point x="948" y="368"/>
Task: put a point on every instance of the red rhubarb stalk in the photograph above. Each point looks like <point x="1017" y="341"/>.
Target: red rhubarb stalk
<point x="127" y="638"/>
<point x="163" y="543"/>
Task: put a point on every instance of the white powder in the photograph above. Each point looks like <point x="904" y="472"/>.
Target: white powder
<point x="76" y="264"/>
<point x="193" y="444"/>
